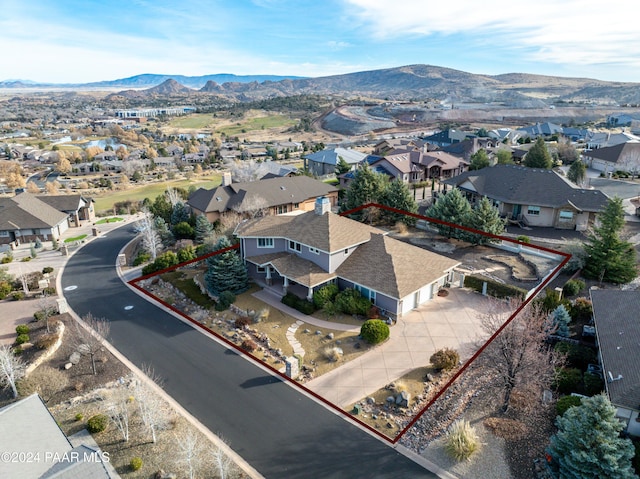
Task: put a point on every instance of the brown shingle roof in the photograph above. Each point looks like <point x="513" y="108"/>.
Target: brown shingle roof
<point x="629" y="151"/>
<point x="328" y="232"/>
<point x="295" y="268"/>
<point x="392" y="267"/>
<point x="66" y="203"/>
<point x="25" y="211"/>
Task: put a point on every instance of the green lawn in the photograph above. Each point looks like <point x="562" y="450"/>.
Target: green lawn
<point x="260" y="123"/>
<point x="195" y="121"/>
<point x="106" y="200"/>
<point x="108" y="220"/>
<point x="75" y="238"/>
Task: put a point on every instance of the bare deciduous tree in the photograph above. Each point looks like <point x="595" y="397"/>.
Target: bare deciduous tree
<point x="45" y="380"/>
<point x="253" y="207"/>
<point x="90" y="336"/>
<point x="119" y="411"/>
<point x="173" y="196"/>
<point x="153" y="411"/>
<point x="518" y="357"/>
<point x="192" y="452"/>
<point x="11" y="369"/>
<point x="223" y="464"/>
<point x="247" y="170"/>
<point x="151" y="241"/>
<point x="48" y="308"/>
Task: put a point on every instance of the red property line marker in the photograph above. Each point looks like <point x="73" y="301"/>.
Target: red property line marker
<point x="335" y="407"/>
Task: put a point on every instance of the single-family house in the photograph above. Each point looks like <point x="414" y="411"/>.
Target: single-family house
<point x="273" y="169"/>
<point x="621" y="157"/>
<point x="616" y="315"/>
<point x="105" y="156"/>
<point x="42" y="450"/>
<point x="25" y="217"/>
<point x="276" y="195"/>
<point x="440" y="164"/>
<point x="403" y="165"/>
<point x="531" y="196"/>
<point x="306" y="251"/>
<point x="540" y="129"/>
<point x="599" y="139"/>
<point x="447" y="137"/>
<point x="324" y="162"/>
<point x="78" y="207"/>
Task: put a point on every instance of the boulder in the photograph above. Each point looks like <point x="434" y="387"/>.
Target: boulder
<point x="75" y="358"/>
<point x="330" y="336"/>
<point x="403" y="398"/>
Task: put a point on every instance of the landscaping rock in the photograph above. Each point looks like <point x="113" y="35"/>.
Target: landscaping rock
<point x="68" y="365"/>
<point x="330" y="336"/>
<point x="371" y="400"/>
<point x="318" y="333"/>
<point x="391" y="399"/>
<point x="430" y="377"/>
<point x="356" y="346"/>
<point x="403" y="398"/>
<point x="75" y="358"/>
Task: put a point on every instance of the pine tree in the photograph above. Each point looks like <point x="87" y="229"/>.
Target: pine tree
<point x="453" y="208"/>
<point x="367" y="187"/>
<point x="162" y="228"/>
<point x="203" y="229"/>
<point x="561" y="319"/>
<point x="484" y="217"/>
<point x="608" y="258"/>
<point x="577" y="172"/>
<point x="179" y="214"/>
<point x="479" y="160"/>
<point x="342" y="166"/>
<point x="397" y="195"/>
<point x="538" y="155"/>
<point x="225" y="271"/>
<point x="588" y="443"/>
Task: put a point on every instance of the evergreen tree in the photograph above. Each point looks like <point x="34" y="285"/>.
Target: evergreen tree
<point x="561" y="319"/>
<point x="577" y="172"/>
<point x="203" y="229"/>
<point x="608" y="258"/>
<point x="479" y="160"/>
<point x="225" y="271"/>
<point x="162" y="228"/>
<point x="453" y="208"/>
<point x="484" y="217"/>
<point x="342" y="166"/>
<point x="538" y="155"/>
<point x="397" y="195"/>
<point x="179" y="213"/>
<point x="161" y="207"/>
<point x="504" y="157"/>
<point x="588" y="443"/>
<point x="367" y="186"/>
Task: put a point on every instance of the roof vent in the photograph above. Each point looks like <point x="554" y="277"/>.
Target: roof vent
<point x="282" y="188"/>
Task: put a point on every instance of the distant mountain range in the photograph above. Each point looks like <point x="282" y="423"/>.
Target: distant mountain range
<point x="517" y="90"/>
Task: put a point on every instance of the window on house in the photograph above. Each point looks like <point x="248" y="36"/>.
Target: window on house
<point x="314" y="250"/>
<point x="265" y="242"/>
<point x="533" y="210"/>
<point x="261" y="269"/>
<point x="295" y="246"/>
<point x="346" y="251"/>
<point x="4" y="233"/>
<point x="282" y="209"/>
<point x="566" y="215"/>
<point x="296" y="205"/>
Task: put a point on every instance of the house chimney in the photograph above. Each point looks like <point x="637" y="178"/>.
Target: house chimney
<point x="323" y="205"/>
<point x="226" y="178"/>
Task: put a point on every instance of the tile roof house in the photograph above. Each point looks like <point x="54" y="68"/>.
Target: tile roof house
<point x="51" y="453"/>
<point x="25" y="217"/>
<point x="533" y="197"/>
<point x="324" y="162"/>
<point x="623" y="157"/>
<point x="312" y="249"/>
<point x="279" y="195"/>
<point x="616" y="316"/>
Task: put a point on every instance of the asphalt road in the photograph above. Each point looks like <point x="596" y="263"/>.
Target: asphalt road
<point x="280" y="432"/>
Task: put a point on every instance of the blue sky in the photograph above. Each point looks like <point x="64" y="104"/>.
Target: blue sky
<point x="76" y="41"/>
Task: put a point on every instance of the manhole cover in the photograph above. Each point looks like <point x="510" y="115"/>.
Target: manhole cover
<point x="71" y="288"/>
<point x="127" y="308"/>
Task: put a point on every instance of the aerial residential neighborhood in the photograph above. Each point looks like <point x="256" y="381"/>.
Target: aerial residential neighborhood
<point x="409" y="271"/>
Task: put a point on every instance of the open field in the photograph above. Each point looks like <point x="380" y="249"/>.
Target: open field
<point x="194" y="121"/>
<point x="106" y="200"/>
<point x="257" y="123"/>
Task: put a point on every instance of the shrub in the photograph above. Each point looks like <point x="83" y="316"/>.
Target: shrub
<point x="374" y="312"/>
<point x="49" y="291"/>
<point x="567" y="380"/>
<point x="23" y="329"/>
<point x="143" y="257"/>
<point x="249" y="345"/>
<point x="573" y="287"/>
<point x="581" y="309"/>
<point x="333" y="354"/>
<point x="262" y="315"/>
<point x="565" y="402"/>
<point x="578" y="356"/>
<point x="97" y="423"/>
<point x="186" y="254"/>
<point x="26" y="259"/>
<point x="47" y="269"/>
<point x="445" y="359"/>
<point x="225" y="300"/>
<point x="374" y="331"/>
<point x="7" y="258"/>
<point x="32" y="251"/>
<point x="324" y="294"/>
<point x="135" y="463"/>
<point x="38" y="243"/>
<point x="46" y="341"/>
<point x="22" y="338"/>
<point x="461" y="441"/>
<point x="302" y="305"/>
<point x="593" y="384"/>
<point x="523" y="239"/>
<point x="5" y="289"/>
<point x="79" y="416"/>
<point x="54" y="243"/>
<point x="351" y="301"/>
<point x="17" y="296"/>
<point x="165" y="260"/>
<point x="494" y="288"/>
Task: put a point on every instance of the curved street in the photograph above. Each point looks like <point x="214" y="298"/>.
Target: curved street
<point x="279" y="431"/>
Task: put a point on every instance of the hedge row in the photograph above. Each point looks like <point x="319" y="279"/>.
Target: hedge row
<point x="494" y="288"/>
<point x="302" y="305"/>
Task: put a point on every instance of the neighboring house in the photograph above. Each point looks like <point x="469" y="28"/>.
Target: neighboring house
<point x="442" y="165"/>
<point x="25" y="217"/>
<point x="273" y="169"/>
<point x="324" y="162"/>
<point x="615" y="314"/>
<point x="386" y="146"/>
<point x="506" y="135"/>
<point x="447" y="137"/>
<point x="77" y="207"/>
<point x="598" y="139"/>
<point x="278" y="195"/>
<point x="540" y="129"/>
<point x="575" y="134"/>
<point x="306" y="251"/>
<point x="531" y="196"/>
<point x="46" y="451"/>
<point x="621" y="157"/>
<point x="402" y="165"/>
<point x="105" y="156"/>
